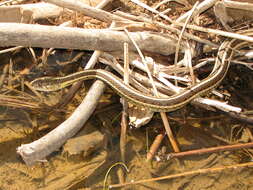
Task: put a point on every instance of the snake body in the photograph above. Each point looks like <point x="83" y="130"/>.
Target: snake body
<point x="171" y="103"/>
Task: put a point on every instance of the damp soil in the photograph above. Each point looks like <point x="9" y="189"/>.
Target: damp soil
<point x="72" y="167"/>
<point x="78" y="171"/>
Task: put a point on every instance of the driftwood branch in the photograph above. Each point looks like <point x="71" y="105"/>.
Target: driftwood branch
<point x="44" y="146"/>
<point x="87" y="10"/>
<point x="29" y="35"/>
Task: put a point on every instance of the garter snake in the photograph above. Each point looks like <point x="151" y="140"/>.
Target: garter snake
<point x="171" y="103"/>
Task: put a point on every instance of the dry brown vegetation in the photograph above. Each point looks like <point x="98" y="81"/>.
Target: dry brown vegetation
<point x="68" y="139"/>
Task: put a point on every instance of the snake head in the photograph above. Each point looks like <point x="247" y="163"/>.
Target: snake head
<point x="45" y="84"/>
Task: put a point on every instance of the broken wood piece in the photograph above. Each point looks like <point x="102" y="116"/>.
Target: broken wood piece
<point x="29" y="12"/>
<point x="228" y="11"/>
<point x="29" y="35"/>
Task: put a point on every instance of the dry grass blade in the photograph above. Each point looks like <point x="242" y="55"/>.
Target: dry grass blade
<point x="18" y="102"/>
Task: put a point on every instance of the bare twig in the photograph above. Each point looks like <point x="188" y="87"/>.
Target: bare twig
<point x="125" y="106"/>
<point x="182" y="32"/>
<point x="203" y="6"/>
<point x="239" y="5"/>
<point x="103" y="3"/>
<point x="210" y="150"/>
<point x="184" y="174"/>
<point x="11" y="49"/>
<point x="169" y="132"/>
<point x="181" y="35"/>
<point x="218" y="104"/>
<point x="87" y="10"/>
<point x="124" y="120"/>
<point x="155" y="145"/>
